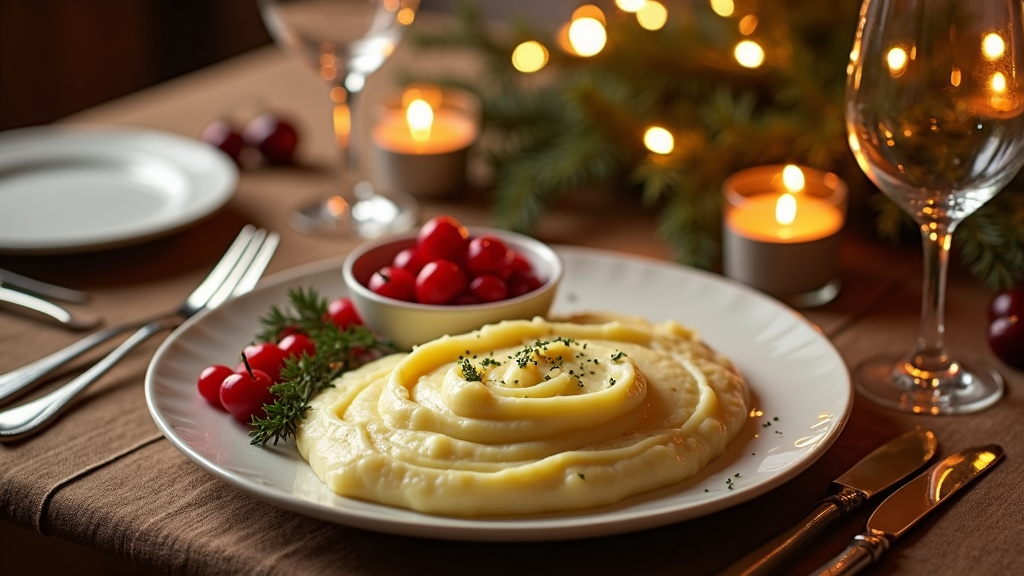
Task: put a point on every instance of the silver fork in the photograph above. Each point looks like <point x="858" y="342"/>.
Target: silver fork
<point x="237" y="272"/>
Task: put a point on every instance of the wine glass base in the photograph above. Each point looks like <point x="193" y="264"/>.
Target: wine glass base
<point x="373" y="213"/>
<point x="975" y="386"/>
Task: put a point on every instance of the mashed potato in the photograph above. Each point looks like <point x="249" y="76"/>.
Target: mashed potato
<point x="525" y="417"/>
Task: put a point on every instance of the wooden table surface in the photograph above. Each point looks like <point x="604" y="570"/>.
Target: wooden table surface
<point x="103" y="476"/>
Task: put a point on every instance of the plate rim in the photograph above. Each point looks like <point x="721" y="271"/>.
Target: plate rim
<point x="562" y="526"/>
<point x="215" y="196"/>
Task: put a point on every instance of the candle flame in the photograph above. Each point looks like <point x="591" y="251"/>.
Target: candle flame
<point x="420" y="117"/>
<point x="785" y="209"/>
<point x="793" y="178"/>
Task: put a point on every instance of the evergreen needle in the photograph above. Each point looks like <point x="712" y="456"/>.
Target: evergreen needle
<point x="337" y="351"/>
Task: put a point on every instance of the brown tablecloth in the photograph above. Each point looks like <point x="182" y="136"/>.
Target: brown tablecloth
<point x="102" y="476"/>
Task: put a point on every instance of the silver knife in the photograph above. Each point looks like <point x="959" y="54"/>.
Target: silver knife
<point x="47" y="308"/>
<point x="39" y="288"/>
<point x="899" y="512"/>
<point x="885" y="467"/>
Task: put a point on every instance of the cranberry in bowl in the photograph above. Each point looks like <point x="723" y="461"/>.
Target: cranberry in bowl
<point x="432" y="295"/>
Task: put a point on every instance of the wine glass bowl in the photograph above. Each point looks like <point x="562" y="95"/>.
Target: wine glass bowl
<point x="935" y="118"/>
<point x="344" y="41"/>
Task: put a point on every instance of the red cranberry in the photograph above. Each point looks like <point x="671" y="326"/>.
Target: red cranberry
<point x="274" y="137"/>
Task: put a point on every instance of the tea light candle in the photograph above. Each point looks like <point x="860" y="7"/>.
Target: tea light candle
<point x="781" y="232"/>
<point x="421" y="147"/>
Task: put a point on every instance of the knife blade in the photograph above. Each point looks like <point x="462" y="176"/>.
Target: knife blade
<point x="40" y="288"/>
<point x="906" y="506"/>
<point x="49" y="309"/>
<point x="883" y="468"/>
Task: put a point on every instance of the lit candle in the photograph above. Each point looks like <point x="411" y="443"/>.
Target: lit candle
<point x="781" y="232"/>
<point x="421" y="146"/>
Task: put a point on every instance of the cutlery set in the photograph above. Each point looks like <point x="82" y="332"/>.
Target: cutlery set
<point x="237" y="272"/>
<point x="885" y="467"/>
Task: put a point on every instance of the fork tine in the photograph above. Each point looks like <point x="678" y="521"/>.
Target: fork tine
<point x="223" y="291"/>
<point x="259" y="264"/>
<point x="220" y="272"/>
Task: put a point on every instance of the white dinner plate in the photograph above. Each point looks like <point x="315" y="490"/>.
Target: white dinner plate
<point x="72" y="189"/>
<point x="801" y="388"/>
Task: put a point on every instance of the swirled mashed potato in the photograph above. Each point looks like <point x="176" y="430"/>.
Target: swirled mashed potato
<point x="527" y="416"/>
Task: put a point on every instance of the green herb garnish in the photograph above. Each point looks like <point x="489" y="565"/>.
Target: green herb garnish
<point x="469" y="372"/>
<point x="337" y="351"/>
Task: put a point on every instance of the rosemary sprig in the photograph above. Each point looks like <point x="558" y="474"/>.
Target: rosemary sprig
<point x="337" y="351"/>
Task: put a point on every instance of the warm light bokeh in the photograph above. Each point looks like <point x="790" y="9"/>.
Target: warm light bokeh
<point x="992" y="46"/>
<point x="659" y="140"/>
<point x="723" y="8"/>
<point x="897" y="60"/>
<point x="406" y="16"/>
<point x="589" y="11"/>
<point x="630" y="5"/>
<point x="998" y="83"/>
<point x="652" y="16"/>
<point x="587" y="36"/>
<point x="749" y="54"/>
<point x="954" y="76"/>
<point x="530" y="56"/>
<point x="748" y="24"/>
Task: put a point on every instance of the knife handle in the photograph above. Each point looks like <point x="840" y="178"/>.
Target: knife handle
<point x="865" y="549"/>
<point x="767" y="558"/>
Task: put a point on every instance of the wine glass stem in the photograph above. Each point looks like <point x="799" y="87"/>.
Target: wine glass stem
<point x="930" y="358"/>
<point x="346" y="131"/>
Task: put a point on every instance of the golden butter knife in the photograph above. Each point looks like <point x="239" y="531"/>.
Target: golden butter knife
<point x="883" y="468"/>
<point x="899" y="512"/>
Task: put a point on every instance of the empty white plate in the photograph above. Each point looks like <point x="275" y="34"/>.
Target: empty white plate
<point x="72" y="189"/>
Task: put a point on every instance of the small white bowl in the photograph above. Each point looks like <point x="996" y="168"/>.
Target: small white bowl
<point x="408" y="324"/>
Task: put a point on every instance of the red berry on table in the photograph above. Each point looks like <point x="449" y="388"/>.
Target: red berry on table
<point x="1006" y="339"/>
<point x="274" y="137"/>
<point x="223" y="135"/>
<point x="487" y="254"/>
<point x="440" y="282"/>
<point x="443" y="238"/>
<point x="1007" y="303"/>
<point x="343" y="313"/>
<point x="244" y="393"/>
<point x="265" y="356"/>
<point x="394" y="282"/>
<point x="488" y="288"/>
<point x="209" y="383"/>
<point x="295" y="344"/>
<point x="410" y="259"/>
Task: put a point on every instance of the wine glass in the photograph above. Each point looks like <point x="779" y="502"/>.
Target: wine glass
<point x="934" y="103"/>
<point x="345" y="41"/>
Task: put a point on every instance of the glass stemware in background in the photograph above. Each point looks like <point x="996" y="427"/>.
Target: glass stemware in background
<point x="346" y="41"/>
<point x="934" y="103"/>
